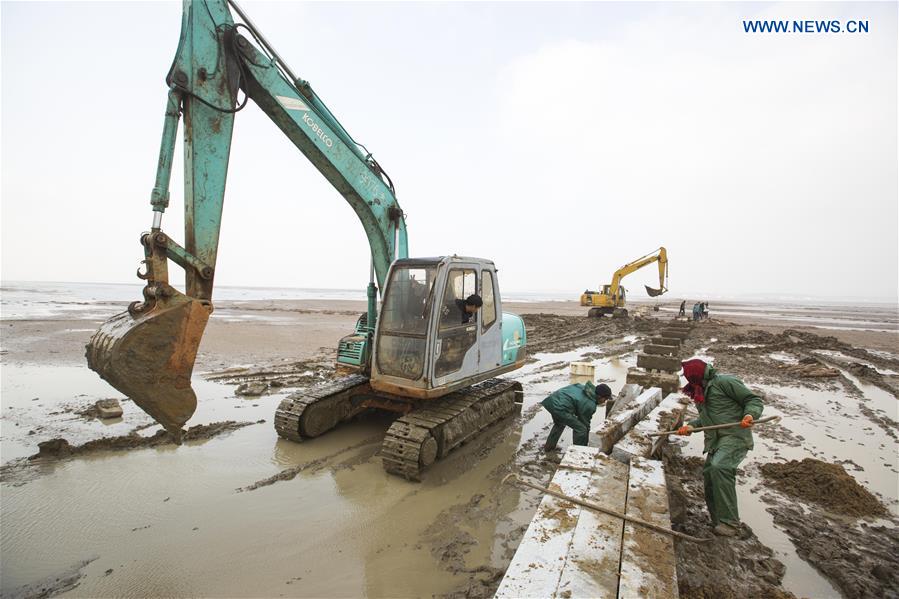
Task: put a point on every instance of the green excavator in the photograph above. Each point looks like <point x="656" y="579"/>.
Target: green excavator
<point x="421" y="356"/>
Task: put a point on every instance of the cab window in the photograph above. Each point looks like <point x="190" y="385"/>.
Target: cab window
<point x="488" y="311"/>
<point x="460" y="283"/>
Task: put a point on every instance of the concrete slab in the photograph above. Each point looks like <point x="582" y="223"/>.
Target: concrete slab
<point x="666" y="416"/>
<point x="648" y="566"/>
<point x="665" y="341"/>
<point x="572" y="551"/>
<point x="664" y="363"/>
<point x="582" y="372"/>
<point x="668" y="383"/>
<point x="677" y="334"/>
<point x="618" y="424"/>
<point x="660" y="350"/>
<point x="591" y="566"/>
<point x="627" y="394"/>
<point x="537" y="566"/>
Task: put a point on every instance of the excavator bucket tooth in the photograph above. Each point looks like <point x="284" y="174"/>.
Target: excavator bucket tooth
<point x="653" y="292"/>
<point x="150" y="357"/>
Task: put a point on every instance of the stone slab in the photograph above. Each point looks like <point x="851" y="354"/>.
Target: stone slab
<point x="536" y="568"/>
<point x="668" y="383"/>
<point x="619" y="423"/>
<point x="678" y="334"/>
<point x="591" y="566"/>
<point x="667" y="415"/>
<point x="648" y="567"/>
<point x="665" y="341"/>
<point x="660" y="350"/>
<point x="627" y="394"/>
<point x="652" y="362"/>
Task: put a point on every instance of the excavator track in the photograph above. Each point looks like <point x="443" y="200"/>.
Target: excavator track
<point x="311" y="412"/>
<point x="415" y="441"/>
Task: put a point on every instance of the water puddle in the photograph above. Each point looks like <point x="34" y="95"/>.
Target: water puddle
<point x="170" y="521"/>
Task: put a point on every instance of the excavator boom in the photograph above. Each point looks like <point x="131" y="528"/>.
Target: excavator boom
<point x="611" y="299"/>
<point x="148" y="352"/>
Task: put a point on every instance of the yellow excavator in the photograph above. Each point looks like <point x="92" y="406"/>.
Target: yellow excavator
<point x="611" y="300"/>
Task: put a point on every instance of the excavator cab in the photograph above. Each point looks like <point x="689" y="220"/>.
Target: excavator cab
<point x="426" y="344"/>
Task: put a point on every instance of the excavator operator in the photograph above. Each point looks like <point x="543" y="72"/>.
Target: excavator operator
<point x="469" y="306"/>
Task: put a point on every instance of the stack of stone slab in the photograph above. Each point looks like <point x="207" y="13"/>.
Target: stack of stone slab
<point x="573" y="551"/>
<point x="658" y="363"/>
<point x="631" y="406"/>
<point x="667" y="415"/>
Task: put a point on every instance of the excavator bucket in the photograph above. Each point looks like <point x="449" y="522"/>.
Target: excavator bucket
<point x="653" y="292"/>
<point x="150" y="357"/>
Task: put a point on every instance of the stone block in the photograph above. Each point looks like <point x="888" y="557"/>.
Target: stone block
<point x="660" y="350"/>
<point x="667" y="415"/>
<point x="665" y="363"/>
<point x="677" y="334"/>
<point x="108" y="408"/>
<point x="617" y="425"/>
<point x="668" y="383"/>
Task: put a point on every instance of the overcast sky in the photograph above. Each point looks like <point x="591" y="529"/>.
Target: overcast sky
<point x="559" y="140"/>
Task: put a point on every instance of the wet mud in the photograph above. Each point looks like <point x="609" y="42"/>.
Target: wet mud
<point x="60" y="448"/>
<point x="792" y="357"/>
<point x="723" y="567"/>
<point x="14" y="471"/>
<point x="826" y="485"/>
<point x="54" y="585"/>
<point x="257" y="380"/>
<point x="558" y="333"/>
<point x="860" y="559"/>
<point x="460" y="527"/>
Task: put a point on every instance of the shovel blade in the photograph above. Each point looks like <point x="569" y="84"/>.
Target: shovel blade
<point x="150" y="357"/>
<point x="651" y="292"/>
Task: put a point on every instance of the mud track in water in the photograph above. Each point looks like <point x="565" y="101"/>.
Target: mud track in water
<point x="557" y="333"/>
<point x="60" y="448"/>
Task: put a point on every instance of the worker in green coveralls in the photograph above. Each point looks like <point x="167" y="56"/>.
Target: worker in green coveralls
<point x="721" y="399"/>
<point x="573" y="406"/>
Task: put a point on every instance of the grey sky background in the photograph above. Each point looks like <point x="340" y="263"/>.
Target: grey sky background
<point x="559" y="140"/>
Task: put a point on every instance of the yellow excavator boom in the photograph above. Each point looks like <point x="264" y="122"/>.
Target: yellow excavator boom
<point x="612" y="296"/>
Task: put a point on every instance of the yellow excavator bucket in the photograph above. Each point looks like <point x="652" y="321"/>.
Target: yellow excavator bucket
<point x="651" y="292"/>
<point x="149" y="356"/>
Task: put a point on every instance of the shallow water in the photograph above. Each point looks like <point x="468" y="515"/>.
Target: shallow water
<point x="171" y="521"/>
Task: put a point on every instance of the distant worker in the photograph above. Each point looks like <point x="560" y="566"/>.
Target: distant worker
<point x="721" y="399"/>
<point x="705" y="310"/>
<point x="683" y="308"/>
<point x="697" y="311"/>
<point x="573" y="406"/>
<point x="469" y="306"/>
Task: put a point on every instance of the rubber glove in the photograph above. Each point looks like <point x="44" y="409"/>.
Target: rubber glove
<point x="685" y="430"/>
<point x="747" y="421"/>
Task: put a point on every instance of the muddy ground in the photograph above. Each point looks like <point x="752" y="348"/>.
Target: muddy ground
<point x="459" y="528"/>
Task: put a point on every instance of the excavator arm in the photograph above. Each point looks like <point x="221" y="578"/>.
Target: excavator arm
<point x="660" y="256"/>
<point x="148" y="352"/>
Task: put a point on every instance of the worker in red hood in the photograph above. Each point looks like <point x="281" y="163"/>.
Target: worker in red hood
<point x="721" y="399"/>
